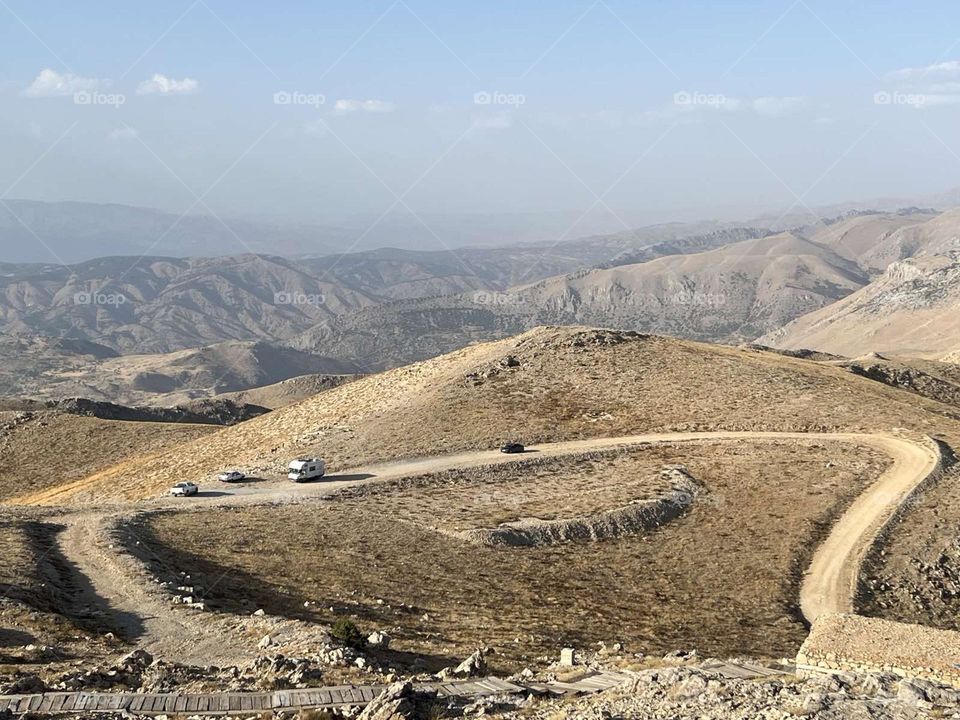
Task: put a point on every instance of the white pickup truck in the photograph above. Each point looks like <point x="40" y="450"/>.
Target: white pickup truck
<point x="303" y="469"/>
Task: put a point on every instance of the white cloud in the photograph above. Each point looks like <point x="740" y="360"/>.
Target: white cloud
<point x="50" y="83"/>
<point x="162" y="85"/>
<point x="344" y="106"/>
<point x="497" y="121"/>
<point x="773" y="106"/>
<point x="933" y="86"/>
<point x="937" y="71"/>
<point x="123" y="133"/>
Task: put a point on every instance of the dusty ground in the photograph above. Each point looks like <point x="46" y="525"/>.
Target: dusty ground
<point x="723" y="580"/>
<point x="52" y="448"/>
<point x="547" y="489"/>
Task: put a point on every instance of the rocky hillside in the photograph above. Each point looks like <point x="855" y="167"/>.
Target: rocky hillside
<point x="937" y="236"/>
<point x="729" y="294"/>
<point x="696" y="692"/>
<point x="164" y="304"/>
<point x="732" y="293"/>
<point x="929" y="378"/>
<point x="909" y="310"/>
<point x="173" y="378"/>
<point x="160" y="304"/>
<point x="867" y="238"/>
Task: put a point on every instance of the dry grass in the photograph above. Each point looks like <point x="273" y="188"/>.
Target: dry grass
<point x="55" y="448"/>
<point x="570" y="383"/>
<point x="550" y="489"/>
<point x="723" y="579"/>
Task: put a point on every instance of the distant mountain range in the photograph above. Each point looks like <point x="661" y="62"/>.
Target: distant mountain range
<point x="69" y="232"/>
<point x="101" y="326"/>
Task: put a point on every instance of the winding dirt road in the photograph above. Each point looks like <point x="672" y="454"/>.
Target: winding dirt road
<point x="829" y="584"/>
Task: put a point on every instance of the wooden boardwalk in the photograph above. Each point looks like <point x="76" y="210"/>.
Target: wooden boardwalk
<point x="242" y="703"/>
<point x="327" y="697"/>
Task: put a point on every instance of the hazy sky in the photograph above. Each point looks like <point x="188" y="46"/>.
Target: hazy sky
<point x="319" y="110"/>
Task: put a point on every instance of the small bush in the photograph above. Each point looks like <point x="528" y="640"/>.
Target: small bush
<point x="348" y="633"/>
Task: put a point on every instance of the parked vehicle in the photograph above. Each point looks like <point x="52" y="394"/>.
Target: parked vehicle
<point x="230" y="476"/>
<point x="184" y="489"/>
<point x="303" y="469"/>
<point x="512" y="447"/>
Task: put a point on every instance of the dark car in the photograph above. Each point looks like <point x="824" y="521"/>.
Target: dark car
<point x="512" y="447"/>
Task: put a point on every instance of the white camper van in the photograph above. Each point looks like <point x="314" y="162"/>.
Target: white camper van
<point x="303" y="469"/>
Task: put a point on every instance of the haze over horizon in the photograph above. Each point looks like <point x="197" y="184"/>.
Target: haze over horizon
<point x="607" y="114"/>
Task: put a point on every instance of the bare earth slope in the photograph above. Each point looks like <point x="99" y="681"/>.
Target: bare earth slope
<point x="937" y="236"/>
<point x="909" y="310"/>
<point x="177" y="377"/>
<point x="730" y="294"/>
<point x="158" y="304"/>
<point x="865" y="238"/>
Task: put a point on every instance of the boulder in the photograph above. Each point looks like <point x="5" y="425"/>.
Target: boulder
<point x="394" y="703"/>
<point x="378" y="639"/>
<point x="473" y="666"/>
<point x="136" y="661"/>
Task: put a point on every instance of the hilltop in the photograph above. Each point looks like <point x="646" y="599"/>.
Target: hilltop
<point x="544" y="385"/>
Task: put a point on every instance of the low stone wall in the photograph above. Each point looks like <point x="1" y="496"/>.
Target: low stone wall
<point x="637" y="517"/>
<point x="853" y="643"/>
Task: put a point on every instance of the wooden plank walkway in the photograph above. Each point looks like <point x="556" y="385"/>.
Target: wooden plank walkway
<point x="326" y="697"/>
<point x="242" y="703"/>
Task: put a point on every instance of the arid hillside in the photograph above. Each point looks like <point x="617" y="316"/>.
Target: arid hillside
<point x="687" y="288"/>
<point x="546" y="384"/>
<point x="174" y="378"/>
<point x="939" y="235"/>
<point x="909" y="310"/>
<point x="39" y="450"/>
<point x="733" y="293"/>
<point x="865" y="237"/>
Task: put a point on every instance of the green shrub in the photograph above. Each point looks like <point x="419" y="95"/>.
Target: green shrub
<point x="348" y="633"/>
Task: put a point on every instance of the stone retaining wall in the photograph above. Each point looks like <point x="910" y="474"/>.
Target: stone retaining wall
<point x="853" y="643"/>
<point x="637" y="517"/>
